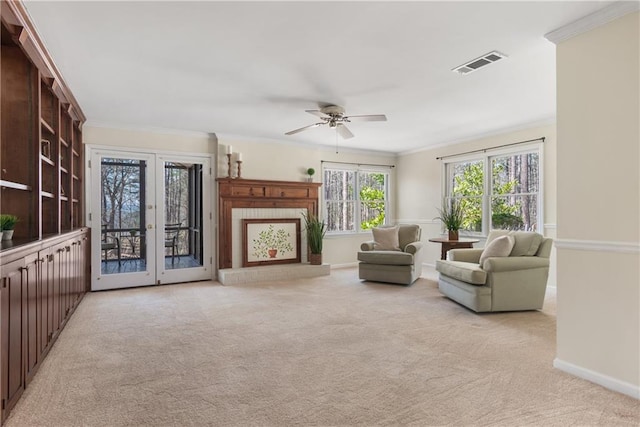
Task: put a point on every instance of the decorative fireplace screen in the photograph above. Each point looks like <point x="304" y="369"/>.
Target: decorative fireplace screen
<point x="270" y="241"/>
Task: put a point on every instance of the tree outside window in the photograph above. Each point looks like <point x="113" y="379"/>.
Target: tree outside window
<point x="354" y="200"/>
<point x="513" y="190"/>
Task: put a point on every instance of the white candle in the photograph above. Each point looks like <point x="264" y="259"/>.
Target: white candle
<point x="229" y="149"/>
<point x="239" y="157"/>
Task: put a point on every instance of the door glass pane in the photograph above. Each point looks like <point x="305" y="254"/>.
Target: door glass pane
<point x="183" y="237"/>
<point x="123" y="233"/>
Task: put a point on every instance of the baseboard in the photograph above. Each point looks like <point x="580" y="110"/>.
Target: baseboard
<point x="598" y="378"/>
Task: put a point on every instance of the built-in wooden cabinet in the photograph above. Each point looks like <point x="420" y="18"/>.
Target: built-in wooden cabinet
<point x="44" y="269"/>
<point x="41" y="284"/>
<point x="41" y="160"/>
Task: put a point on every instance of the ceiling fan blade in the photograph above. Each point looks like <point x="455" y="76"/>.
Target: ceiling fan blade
<point x="344" y="131"/>
<point x="317" y="113"/>
<point x="369" y="118"/>
<point x="291" y="132"/>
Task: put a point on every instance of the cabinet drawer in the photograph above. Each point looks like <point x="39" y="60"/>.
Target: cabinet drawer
<point x="253" y="191"/>
<point x="290" y="192"/>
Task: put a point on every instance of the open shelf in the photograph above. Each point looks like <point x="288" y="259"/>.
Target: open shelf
<point x="15" y="185"/>
<point x="47" y="160"/>
<point x="47" y="126"/>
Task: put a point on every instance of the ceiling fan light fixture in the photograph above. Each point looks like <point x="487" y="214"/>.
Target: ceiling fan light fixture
<point x="334" y="116"/>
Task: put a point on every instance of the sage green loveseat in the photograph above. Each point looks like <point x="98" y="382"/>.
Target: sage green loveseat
<point x="509" y="283"/>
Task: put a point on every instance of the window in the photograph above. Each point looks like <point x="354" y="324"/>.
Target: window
<point x="497" y="192"/>
<point x="354" y="199"/>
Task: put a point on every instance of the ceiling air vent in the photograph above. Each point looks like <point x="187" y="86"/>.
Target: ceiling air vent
<point x="480" y="62"/>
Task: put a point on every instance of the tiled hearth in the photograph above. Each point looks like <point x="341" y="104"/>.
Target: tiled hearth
<point x="234" y="276"/>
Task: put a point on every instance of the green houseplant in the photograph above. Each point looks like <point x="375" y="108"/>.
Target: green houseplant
<point x="310" y="172"/>
<point x="7" y="223"/>
<point x="315" y="229"/>
<point x="452" y="216"/>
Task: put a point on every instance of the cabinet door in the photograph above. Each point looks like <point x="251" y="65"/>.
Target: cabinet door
<point x="13" y="327"/>
<point x="76" y="261"/>
<point x="68" y="280"/>
<point x="31" y="294"/>
<point x="58" y="256"/>
<point x="45" y="271"/>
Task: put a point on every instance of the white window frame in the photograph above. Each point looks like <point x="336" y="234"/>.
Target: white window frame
<point x="358" y="203"/>
<point x="487" y="157"/>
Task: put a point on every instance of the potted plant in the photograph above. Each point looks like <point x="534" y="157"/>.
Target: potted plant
<point x="7" y="223"/>
<point x="310" y="172"/>
<point x="452" y="216"/>
<point x="316" y="229"/>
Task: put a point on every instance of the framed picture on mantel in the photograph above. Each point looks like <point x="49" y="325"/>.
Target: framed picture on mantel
<point x="270" y="241"/>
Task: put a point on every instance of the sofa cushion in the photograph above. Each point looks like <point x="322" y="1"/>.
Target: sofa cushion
<point x="526" y="243"/>
<point x="386" y="257"/>
<point x="499" y="247"/>
<point x="386" y="239"/>
<point x="468" y="272"/>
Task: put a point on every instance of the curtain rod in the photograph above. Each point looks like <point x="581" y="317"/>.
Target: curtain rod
<point x="484" y="150"/>
<point x="357" y="164"/>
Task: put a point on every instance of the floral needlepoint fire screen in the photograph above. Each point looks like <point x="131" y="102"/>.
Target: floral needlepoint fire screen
<point x="270" y="241"/>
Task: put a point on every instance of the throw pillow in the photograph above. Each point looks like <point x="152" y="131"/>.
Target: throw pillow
<point x="499" y="247"/>
<point x="526" y="243"/>
<point x="386" y="239"/>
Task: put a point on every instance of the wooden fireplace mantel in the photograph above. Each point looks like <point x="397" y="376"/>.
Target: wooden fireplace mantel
<point x="235" y="193"/>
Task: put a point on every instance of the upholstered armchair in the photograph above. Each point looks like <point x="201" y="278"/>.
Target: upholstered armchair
<point x="394" y="256"/>
<point x="509" y="274"/>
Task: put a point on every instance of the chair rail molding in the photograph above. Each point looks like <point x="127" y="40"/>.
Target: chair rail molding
<point x="597" y="245"/>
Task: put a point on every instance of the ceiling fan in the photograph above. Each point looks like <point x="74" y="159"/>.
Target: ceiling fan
<point x="334" y="116"/>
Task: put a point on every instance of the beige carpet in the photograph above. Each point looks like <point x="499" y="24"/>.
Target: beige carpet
<point x="324" y="351"/>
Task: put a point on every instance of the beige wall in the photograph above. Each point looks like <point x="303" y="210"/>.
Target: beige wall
<point x="150" y="140"/>
<point x="261" y="160"/>
<point x="599" y="204"/>
<point x="419" y="179"/>
<point x="289" y="162"/>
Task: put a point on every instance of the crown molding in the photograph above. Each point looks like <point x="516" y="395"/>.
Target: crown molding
<point x="593" y="20"/>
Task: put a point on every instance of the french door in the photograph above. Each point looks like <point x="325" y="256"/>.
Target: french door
<point x="150" y="219"/>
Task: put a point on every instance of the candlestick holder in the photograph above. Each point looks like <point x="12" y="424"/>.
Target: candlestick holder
<point x="228" y="165"/>
<point x="239" y="162"/>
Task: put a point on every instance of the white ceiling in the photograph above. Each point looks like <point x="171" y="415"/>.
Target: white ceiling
<point x="250" y="69"/>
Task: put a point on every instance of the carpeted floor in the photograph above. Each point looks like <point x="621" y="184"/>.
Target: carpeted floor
<point x="324" y="351"/>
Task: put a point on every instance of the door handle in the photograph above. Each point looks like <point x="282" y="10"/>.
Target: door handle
<point x="149" y="226"/>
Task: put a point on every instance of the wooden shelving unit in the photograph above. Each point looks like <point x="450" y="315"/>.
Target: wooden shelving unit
<point x="44" y="270"/>
<point x="41" y="161"/>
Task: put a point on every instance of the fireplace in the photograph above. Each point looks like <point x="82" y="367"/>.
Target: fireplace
<point x="245" y="199"/>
